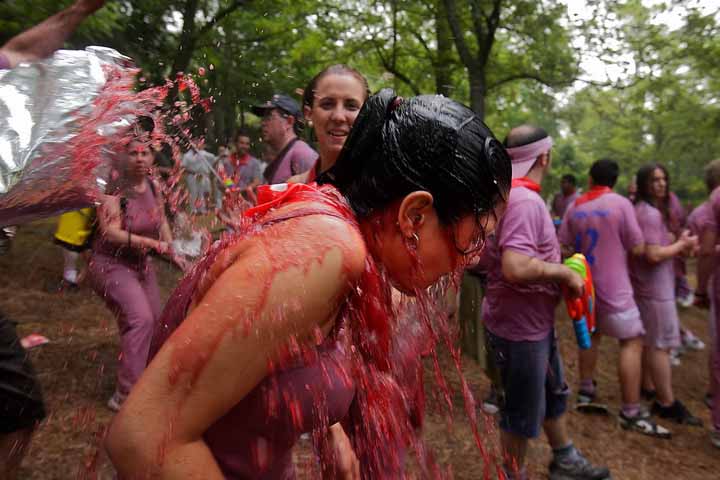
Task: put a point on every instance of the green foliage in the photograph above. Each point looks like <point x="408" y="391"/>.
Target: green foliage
<point x="666" y="112"/>
<point x="513" y="61"/>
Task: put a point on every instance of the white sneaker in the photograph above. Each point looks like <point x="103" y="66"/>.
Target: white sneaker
<point x="687" y="300"/>
<point x="116" y="401"/>
<point x="690" y="341"/>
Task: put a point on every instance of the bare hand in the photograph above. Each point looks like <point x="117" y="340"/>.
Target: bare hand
<point x="574" y="283"/>
<point x="346" y="465"/>
<point x="688" y="239"/>
<point x="163" y="248"/>
<point x="690" y="242"/>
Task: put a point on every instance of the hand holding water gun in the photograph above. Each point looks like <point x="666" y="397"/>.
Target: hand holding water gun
<point x="581" y="309"/>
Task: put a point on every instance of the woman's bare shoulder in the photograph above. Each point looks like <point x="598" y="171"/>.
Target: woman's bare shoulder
<point x="319" y="232"/>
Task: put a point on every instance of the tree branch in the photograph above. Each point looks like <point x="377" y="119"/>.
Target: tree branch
<point x="460" y="44"/>
<point x="492" y="24"/>
<point x="392" y="69"/>
<point x="476" y="14"/>
<point x="424" y="44"/>
<point x="219" y="16"/>
<point x="530" y="76"/>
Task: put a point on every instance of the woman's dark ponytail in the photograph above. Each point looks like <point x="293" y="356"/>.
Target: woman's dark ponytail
<point x="428" y="143"/>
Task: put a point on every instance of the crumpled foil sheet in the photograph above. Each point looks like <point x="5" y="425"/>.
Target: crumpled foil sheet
<point x="61" y="120"/>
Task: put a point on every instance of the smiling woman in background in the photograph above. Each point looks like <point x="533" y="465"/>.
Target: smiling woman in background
<point x="331" y="103"/>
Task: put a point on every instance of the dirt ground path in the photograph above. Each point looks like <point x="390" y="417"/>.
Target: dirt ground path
<point x="77" y="374"/>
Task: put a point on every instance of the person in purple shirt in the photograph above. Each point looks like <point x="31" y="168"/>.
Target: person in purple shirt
<point x="21" y="402"/>
<point x="565" y="197"/>
<point x="653" y="280"/>
<point x="601" y="225"/>
<point x="280" y="126"/>
<point x="683" y="292"/>
<point x="707" y="268"/>
<point x="524" y="279"/>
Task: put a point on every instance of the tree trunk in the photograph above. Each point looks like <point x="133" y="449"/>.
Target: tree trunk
<point x="186" y="46"/>
<point x="477" y="92"/>
<point x="444" y="60"/>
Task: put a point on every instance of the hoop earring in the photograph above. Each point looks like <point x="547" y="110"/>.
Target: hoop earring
<point x="416" y="237"/>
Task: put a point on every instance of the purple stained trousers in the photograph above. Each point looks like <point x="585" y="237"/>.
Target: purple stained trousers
<point x="132" y="294"/>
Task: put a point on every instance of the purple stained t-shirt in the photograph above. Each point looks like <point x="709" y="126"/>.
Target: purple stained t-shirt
<point x="701" y="219"/>
<point x="515" y="311"/>
<point x="299" y="159"/>
<point x="605" y="230"/>
<point x="561" y="203"/>
<point x="652" y="281"/>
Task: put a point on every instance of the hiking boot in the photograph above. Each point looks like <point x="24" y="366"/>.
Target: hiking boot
<point x="690" y="341"/>
<point x="579" y="468"/>
<point x="642" y="423"/>
<point x="677" y="412"/>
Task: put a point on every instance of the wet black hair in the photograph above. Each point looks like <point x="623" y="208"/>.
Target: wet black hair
<point x="426" y="143"/>
<point x="643" y="181"/>
<point x="604" y="172"/>
<point x="524" y="135"/>
<point x="337" y="69"/>
<point x="569" y="178"/>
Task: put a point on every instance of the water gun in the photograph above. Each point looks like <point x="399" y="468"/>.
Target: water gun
<point x="582" y="309"/>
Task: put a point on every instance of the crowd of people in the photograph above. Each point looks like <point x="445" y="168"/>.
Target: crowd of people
<point x="310" y="313"/>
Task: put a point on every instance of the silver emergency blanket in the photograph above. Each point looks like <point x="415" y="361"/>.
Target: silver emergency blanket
<point x="60" y="123"/>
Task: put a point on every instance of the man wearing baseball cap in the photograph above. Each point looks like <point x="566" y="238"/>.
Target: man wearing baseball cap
<point x="281" y="116"/>
<point x="524" y="280"/>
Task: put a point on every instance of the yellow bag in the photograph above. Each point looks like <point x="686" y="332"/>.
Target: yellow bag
<point x="75" y="229"/>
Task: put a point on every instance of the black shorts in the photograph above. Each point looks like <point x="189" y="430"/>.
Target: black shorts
<point x="21" y="401"/>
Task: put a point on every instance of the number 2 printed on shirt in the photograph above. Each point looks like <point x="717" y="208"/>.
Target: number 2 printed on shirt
<point x="592" y="236"/>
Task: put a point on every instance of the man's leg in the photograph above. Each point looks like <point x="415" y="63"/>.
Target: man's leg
<point x="514" y="448"/>
<point x="630" y="370"/>
<point x="657" y="361"/>
<point x="70" y="268"/>
<point x="522" y="367"/>
<point x="587" y="361"/>
<point x="568" y="463"/>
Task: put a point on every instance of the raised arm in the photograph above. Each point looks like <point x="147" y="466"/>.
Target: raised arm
<point x="43" y="39"/>
<point x="275" y="290"/>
